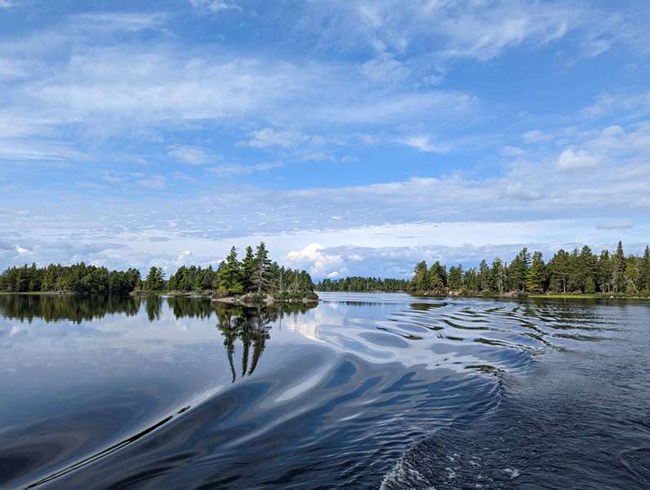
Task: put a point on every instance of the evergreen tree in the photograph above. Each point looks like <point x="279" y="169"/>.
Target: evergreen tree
<point x="456" y="277"/>
<point x="559" y="267"/>
<point x="618" y="269"/>
<point x="484" y="276"/>
<point x="518" y="271"/>
<point x="420" y="282"/>
<point x="261" y="277"/>
<point x="155" y="280"/>
<point x="536" y="279"/>
<point x="229" y="274"/>
<point x="248" y="268"/>
<point x="438" y="277"/>
<point x="632" y="275"/>
<point x="498" y="276"/>
<point x="644" y="271"/>
<point x="588" y="271"/>
<point x="605" y="272"/>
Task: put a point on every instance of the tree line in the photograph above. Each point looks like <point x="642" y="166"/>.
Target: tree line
<point x="77" y="278"/>
<point x="256" y="273"/>
<point x="363" y="284"/>
<point x="577" y="272"/>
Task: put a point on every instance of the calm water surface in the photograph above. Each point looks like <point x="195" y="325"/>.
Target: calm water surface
<point x="363" y="391"/>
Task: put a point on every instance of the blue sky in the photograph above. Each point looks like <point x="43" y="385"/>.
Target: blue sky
<point x="353" y="137"/>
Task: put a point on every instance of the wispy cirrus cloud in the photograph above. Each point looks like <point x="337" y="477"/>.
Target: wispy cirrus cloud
<point x="214" y="6"/>
<point x="191" y="155"/>
<point x="233" y="169"/>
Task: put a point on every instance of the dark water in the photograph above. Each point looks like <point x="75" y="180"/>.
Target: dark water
<point x="363" y="391"/>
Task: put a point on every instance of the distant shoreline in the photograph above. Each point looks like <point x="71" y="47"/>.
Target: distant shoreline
<point x="240" y="300"/>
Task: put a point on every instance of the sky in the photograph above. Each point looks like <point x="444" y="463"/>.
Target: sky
<point x="354" y="138"/>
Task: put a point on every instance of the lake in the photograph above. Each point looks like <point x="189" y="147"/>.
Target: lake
<point x="362" y="391"/>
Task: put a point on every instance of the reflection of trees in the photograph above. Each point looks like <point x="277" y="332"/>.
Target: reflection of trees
<point x="65" y="307"/>
<point x="251" y="326"/>
<point x="184" y="307"/>
<point x="153" y="306"/>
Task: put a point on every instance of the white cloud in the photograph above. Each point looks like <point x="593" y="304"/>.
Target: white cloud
<point x="424" y="143"/>
<point x="521" y="193"/>
<point x="571" y="159"/>
<point x="234" y="169"/>
<point x="534" y="136"/>
<point x="267" y="137"/>
<point x="214" y="6"/>
<point x="318" y="264"/>
<point x="475" y="29"/>
<point x="191" y="155"/>
<point x="621" y="104"/>
<point x="615" y="225"/>
<point x="96" y="23"/>
<point x="385" y="69"/>
<point x="152" y="182"/>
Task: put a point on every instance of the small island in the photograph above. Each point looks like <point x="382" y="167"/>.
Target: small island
<point x="256" y="280"/>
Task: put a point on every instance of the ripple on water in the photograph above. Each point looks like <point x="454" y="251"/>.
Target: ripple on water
<point x="342" y="393"/>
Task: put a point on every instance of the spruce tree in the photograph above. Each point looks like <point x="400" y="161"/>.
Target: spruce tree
<point x="536" y="278"/>
<point x="229" y="274"/>
<point x="248" y="269"/>
<point x="261" y="277"/>
<point x="618" y="269"/>
<point x="420" y="282"/>
<point x="644" y="272"/>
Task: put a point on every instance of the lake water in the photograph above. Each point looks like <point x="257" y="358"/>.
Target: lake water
<point x="363" y="391"/>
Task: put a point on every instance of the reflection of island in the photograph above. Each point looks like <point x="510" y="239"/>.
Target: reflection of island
<point x="77" y="309"/>
<point x="251" y="326"/>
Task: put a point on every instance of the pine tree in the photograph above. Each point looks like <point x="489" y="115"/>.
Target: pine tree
<point x="456" y="277"/>
<point x="484" y="276"/>
<point x="588" y="270"/>
<point x="605" y="272"/>
<point x="518" y="271"/>
<point x="261" y="277"/>
<point x="420" y="282"/>
<point x="560" y="270"/>
<point x="618" y="269"/>
<point x="437" y="277"/>
<point x="644" y="271"/>
<point x="155" y="280"/>
<point x="536" y="278"/>
<point x="248" y="269"/>
<point x="498" y="276"/>
<point x="229" y="274"/>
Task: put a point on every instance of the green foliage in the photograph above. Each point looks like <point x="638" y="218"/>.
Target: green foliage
<point x="421" y="280"/>
<point x="456" y="278"/>
<point x="536" y="279"/>
<point x="363" y="284"/>
<point x="644" y="271"/>
<point x="155" y="280"/>
<point x="255" y="273"/>
<point x="262" y="279"/>
<point x="578" y="272"/>
<point x="193" y="278"/>
<point x="259" y="274"/>
<point x="78" y="278"/>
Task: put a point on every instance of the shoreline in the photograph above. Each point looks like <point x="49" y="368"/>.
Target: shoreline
<point x="270" y="299"/>
<point x="510" y="296"/>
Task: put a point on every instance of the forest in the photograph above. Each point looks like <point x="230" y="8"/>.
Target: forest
<point x="363" y="284"/>
<point x="577" y="272"/>
<point x="255" y="272"/>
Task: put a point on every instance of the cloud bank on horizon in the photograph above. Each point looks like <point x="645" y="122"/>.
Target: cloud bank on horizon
<point x="355" y="138"/>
